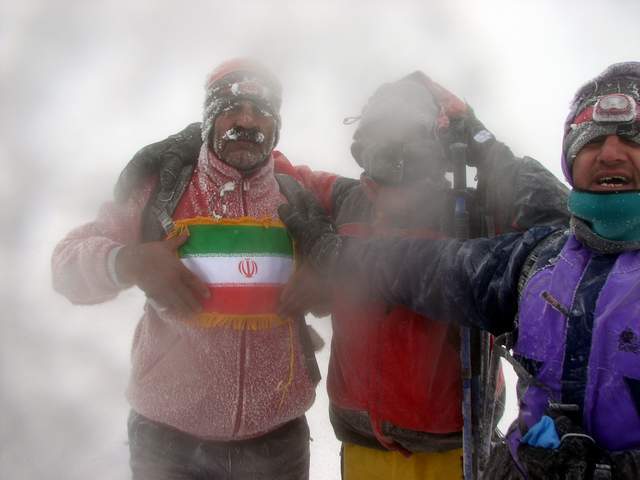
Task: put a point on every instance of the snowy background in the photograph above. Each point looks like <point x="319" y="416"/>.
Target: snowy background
<point x="84" y="84"/>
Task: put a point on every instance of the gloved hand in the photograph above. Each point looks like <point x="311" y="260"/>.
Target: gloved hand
<point x="458" y="123"/>
<point x="465" y="127"/>
<point x="576" y="448"/>
<point x="574" y="459"/>
<point x="155" y="268"/>
<point x="625" y="464"/>
<point x="312" y="230"/>
<point x="305" y="292"/>
<point x="175" y="151"/>
<point x="479" y="139"/>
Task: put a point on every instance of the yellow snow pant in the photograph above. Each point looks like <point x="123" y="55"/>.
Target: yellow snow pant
<point x="361" y="463"/>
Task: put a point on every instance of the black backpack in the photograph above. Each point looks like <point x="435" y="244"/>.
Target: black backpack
<point x="173" y="161"/>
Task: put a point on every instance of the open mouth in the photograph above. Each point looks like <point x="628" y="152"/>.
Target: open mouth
<point x="613" y="181"/>
<point x="244" y="135"/>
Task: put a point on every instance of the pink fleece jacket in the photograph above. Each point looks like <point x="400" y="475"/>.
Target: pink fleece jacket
<point x="215" y="383"/>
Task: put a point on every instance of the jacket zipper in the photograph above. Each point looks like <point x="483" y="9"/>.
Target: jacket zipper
<point x="243" y="337"/>
<point x="245" y="188"/>
<point x="242" y="366"/>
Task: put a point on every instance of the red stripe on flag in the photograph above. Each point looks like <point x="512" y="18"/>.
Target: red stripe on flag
<point x="243" y="300"/>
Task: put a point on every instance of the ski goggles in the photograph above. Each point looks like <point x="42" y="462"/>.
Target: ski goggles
<point x="402" y="163"/>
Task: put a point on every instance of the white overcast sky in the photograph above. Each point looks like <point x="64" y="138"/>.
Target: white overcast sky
<point x="84" y="84"/>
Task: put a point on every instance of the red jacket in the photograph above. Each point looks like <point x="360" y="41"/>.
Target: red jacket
<point x="394" y="376"/>
<point x="390" y="368"/>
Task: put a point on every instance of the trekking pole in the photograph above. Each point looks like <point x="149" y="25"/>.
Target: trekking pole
<point x="461" y="217"/>
<point x="489" y="400"/>
<point x="489" y="371"/>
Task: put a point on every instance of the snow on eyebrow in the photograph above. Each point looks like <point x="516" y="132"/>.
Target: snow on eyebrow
<point x="235" y="88"/>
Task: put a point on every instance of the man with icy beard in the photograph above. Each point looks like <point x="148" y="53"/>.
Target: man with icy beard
<point x="244" y="135"/>
<point x="220" y="382"/>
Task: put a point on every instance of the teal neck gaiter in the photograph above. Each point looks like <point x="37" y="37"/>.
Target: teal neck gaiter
<point x="612" y="215"/>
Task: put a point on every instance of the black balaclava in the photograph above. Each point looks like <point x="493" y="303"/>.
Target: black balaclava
<point x="395" y="142"/>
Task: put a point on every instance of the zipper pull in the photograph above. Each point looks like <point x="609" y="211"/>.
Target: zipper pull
<point x="555" y="304"/>
<point x="227" y="187"/>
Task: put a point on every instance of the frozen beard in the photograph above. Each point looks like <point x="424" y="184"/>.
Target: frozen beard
<point x="242" y="148"/>
<point x="241" y="121"/>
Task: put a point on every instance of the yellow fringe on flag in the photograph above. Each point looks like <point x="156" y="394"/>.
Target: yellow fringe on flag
<point x="238" y="322"/>
<point x="182" y="225"/>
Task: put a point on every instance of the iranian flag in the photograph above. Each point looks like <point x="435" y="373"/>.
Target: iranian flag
<point x="245" y="263"/>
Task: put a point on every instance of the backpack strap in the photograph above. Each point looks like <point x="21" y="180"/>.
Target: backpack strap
<point x="156" y="216"/>
<point x="542" y="255"/>
<point x="173" y="160"/>
<point x="290" y="187"/>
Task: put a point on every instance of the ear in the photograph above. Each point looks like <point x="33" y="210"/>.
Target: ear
<point x="356" y="152"/>
<point x="276" y="135"/>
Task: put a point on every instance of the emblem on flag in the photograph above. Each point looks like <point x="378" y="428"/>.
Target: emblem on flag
<point x="248" y="267"/>
<point x="225" y="255"/>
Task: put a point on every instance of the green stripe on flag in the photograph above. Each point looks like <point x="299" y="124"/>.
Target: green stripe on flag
<point x="236" y="239"/>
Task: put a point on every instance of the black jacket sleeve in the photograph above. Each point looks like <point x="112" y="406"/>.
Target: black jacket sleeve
<point x="471" y="283"/>
<point x="520" y="193"/>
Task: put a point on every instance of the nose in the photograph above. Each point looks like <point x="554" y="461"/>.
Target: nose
<point x="245" y="116"/>
<point x="612" y="150"/>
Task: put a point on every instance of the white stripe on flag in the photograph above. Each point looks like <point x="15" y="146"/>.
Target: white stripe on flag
<point x="240" y="269"/>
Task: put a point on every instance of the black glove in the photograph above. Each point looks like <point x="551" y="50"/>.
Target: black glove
<point x="540" y="463"/>
<point x="171" y="153"/>
<point x="468" y="129"/>
<point x="479" y="139"/>
<point x="577" y="457"/>
<point x="312" y="230"/>
<point x="625" y="464"/>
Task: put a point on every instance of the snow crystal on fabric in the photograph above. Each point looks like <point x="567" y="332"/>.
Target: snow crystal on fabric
<point x="215" y="383"/>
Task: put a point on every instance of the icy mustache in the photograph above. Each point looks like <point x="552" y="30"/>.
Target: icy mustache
<point x="236" y="134"/>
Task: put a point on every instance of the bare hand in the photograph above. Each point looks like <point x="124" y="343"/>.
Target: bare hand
<point x="157" y="270"/>
<point x="305" y="292"/>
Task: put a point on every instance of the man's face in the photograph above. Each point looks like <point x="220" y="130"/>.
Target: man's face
<point x="610" y="163"/>
<point x="243" y="135"/>
<point x="400" y="150"/>
<point x="395" y="141"/>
